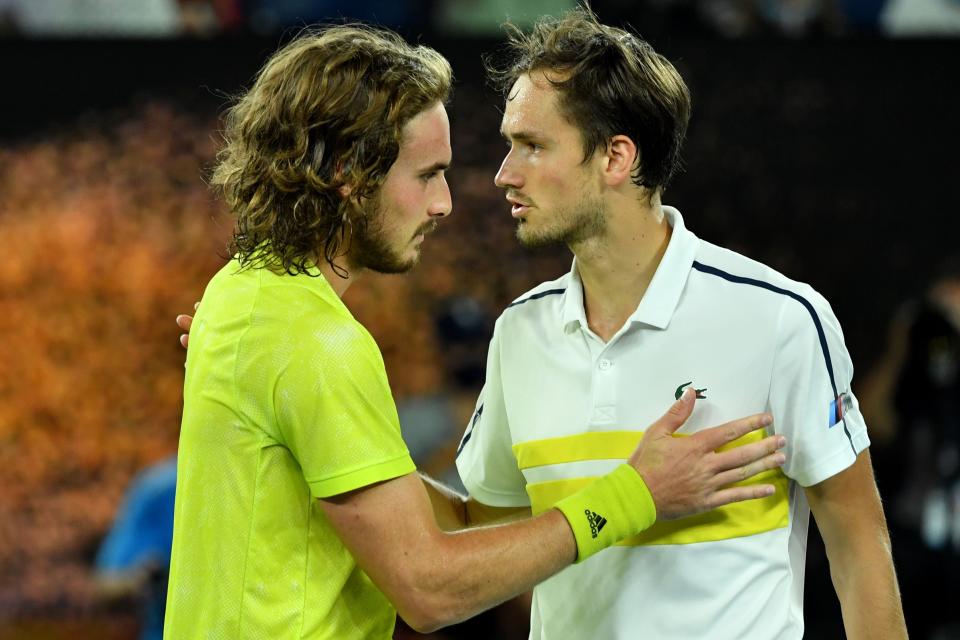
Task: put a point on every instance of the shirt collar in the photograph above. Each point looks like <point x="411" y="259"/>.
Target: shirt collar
<point x="661" y="298"/>
<point x="572" y="311"/>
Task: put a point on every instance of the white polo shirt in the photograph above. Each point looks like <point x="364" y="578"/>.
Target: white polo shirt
<point x="560" y="407"/>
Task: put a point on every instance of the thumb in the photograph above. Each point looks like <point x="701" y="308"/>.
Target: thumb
<point x="676" y="415"/>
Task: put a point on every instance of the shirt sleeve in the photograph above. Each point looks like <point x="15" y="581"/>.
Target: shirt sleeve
<point x="810" y="396"/>
<point x="336" y="414"/>
<point x="485" y="458"/>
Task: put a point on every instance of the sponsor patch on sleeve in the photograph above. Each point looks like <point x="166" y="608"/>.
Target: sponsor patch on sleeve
<point x="839" y="408"/>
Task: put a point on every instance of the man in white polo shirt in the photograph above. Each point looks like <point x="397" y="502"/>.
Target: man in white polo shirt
<point x="595" y="118"/>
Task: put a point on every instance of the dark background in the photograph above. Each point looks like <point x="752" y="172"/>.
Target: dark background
<point x="831" y="159"/>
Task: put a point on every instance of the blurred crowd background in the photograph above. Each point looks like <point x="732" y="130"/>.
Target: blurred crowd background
<point x="727" y="18"/>
<point x="822" y="143"/>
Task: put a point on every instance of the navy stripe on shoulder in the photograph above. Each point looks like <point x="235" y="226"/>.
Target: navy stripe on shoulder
<point x="536" y="296"/>
<point x="466" y="436"/>
<point x="806" y="304"/>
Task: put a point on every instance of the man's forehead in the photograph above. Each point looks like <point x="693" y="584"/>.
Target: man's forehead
<point x="529" y="101"/>
<point x="532" y="84"/>
<point x="427" y="133"/>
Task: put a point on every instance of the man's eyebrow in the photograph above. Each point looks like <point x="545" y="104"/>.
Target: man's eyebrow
<point x="436" y="166"/>
<point x="522" y="136"/>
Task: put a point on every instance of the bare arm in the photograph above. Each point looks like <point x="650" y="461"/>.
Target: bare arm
<point x="454" y="511"/>
<point x="850" y="518"/>
<point x="435" y="578"/>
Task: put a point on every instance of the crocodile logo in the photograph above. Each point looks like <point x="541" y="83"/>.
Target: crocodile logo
<point x="679" y="391"/>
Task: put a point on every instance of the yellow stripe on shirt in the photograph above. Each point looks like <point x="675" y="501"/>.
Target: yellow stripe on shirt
<point x="730" y="521"/>
<point x="596" y="445"/>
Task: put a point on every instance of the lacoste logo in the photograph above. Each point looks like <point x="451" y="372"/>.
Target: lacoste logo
<point x="596" y="522"/>
<point x="679" y="391"/>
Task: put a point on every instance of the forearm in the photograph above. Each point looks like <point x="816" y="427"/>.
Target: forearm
<point x="476" y="569"/>
<point x="850" y="518"/>
<point x="866" y="584"/>
<point x="479" y="514"/>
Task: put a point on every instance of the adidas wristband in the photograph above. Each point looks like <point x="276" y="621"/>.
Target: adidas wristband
<point x="611" y="508"/>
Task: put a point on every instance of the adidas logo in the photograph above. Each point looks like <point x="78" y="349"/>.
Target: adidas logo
<point x="596" y="522"/>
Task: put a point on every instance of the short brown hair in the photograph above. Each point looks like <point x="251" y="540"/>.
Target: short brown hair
<point x="611" y="82"/>
<point x="326" y="110"/>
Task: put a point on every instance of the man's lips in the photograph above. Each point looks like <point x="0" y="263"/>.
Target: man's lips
<point x="423" y="231"/>
<point x="518" y="207"/>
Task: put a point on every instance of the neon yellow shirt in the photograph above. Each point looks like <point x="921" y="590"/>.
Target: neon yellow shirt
<point x="286" y="400"/>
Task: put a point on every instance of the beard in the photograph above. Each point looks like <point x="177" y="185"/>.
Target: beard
<point x="569" y="225"/>
<point x="371" y="248"/>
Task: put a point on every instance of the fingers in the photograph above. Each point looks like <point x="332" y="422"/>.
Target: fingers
<point x="745" y="454"/>
<point x="771" y="461"/>
<point x="675" y="416"/>
<point x="716" y="437"/>
<point x="185" y="322"/>
<point x="739" y="494"/>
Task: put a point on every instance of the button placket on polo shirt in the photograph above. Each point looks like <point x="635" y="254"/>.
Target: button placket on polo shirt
<point x="604" y="388"/>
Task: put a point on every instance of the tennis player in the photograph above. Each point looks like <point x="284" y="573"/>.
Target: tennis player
<point x="299" y="513"/>
<point x="595" y="120"/>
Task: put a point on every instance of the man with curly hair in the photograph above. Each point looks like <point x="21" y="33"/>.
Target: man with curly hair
<point x="299" y="513"/>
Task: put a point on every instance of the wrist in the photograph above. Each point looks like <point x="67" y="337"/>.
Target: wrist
<point x="613" y="507"/>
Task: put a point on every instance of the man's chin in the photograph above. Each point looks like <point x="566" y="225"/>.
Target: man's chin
<point x="394" y="264"/>
<point x="531" y="239"/>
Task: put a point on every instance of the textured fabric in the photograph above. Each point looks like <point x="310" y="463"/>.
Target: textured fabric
<point x="558" y="399"/>
<point x="286" y="400"/>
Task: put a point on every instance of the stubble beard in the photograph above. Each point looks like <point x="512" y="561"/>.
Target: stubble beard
<point x="370" y="246"/>
<point x="570" y="225"/>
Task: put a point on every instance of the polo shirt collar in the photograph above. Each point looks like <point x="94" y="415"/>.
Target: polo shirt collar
<point x="661" y="298"/>
<point x="572" y="311"/>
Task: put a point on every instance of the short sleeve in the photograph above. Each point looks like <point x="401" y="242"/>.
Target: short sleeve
<point x="335" y="412"/>
<point x="810" y="397"/>
<point x="485" y="458"/>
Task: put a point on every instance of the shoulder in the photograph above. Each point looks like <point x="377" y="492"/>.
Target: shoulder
<point x="541" y="298"/>
<point x="304" y="312"/>
<point x="292" y="327"/>
<point x="752" y="281"/>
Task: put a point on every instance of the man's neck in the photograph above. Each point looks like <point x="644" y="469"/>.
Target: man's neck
<point x="616" y="269"/>
<point x="335" y="277"/>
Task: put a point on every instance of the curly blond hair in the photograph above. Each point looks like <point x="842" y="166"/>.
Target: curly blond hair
<point x="325" y="112"/>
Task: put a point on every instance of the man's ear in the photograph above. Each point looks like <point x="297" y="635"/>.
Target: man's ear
<point x="343" y="174"/>
<point x="621" y="157"/>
